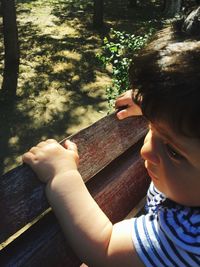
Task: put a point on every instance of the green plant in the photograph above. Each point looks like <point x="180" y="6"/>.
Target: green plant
<point x="118" y="50"/>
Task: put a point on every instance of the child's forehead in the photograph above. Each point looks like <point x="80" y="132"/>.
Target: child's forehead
<point x="166" y="132"/>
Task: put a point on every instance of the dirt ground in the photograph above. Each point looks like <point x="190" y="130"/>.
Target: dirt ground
<point x="61" y="84"/>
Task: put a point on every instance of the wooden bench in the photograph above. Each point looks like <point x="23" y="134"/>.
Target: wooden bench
<point x="113" y="171"/>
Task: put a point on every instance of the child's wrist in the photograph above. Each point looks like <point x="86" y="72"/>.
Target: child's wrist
<point x="62" y="186"/>
<point x="63" y="179"/>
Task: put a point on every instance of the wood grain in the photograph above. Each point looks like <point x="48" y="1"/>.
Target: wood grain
<point x="116" y="189"/>
<point x="22" y="196"/>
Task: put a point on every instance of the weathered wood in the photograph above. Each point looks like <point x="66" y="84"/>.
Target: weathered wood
<point x="117" y="189"/>
<point x="120" y="186"/>
<point x="105" y="140"/>
<point x="42" y="245"/>
<point x="22" y="196"/>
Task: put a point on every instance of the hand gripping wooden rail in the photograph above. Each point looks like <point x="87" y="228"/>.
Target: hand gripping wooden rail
<point x="113" y="171"/>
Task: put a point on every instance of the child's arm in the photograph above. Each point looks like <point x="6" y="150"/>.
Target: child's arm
<point x="91" y="234"/>
<point x="126" y="106"/>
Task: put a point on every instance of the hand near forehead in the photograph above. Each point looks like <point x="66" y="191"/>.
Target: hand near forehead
<point x="49" y="159"/>
<point x="126" y="106"/>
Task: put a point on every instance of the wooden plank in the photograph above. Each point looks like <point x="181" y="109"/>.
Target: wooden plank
<point x="105" y="140"/>
<point x="42" y="245"/>
<point x="117" y="189"/>
<point x="138" y="209"/>
<point x="22" y="196"/>
<point x="120" y="186"/>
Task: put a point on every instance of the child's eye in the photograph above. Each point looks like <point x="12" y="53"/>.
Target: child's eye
<point x="173" y="153"/>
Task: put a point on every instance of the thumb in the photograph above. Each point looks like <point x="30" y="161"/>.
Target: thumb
<point x="122" y="114"/>
<point x="73" y="148"/>
<point x="133" y="110"/>
<point x="70" y="145"/>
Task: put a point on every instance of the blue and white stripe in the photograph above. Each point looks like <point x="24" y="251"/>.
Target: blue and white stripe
<point x="168" y="235"/>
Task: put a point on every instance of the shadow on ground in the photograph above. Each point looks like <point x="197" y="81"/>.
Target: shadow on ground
<point x="61" y="85"/>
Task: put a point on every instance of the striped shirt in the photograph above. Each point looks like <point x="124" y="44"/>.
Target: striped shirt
<point x="169" y="234"/>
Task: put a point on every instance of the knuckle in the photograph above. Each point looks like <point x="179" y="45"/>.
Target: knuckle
<point x="34" y="148"/>
<point x="75" y="146"/>
<point x="51" y="140"/>
<point x="25" y="156"/>
<point x="41" y="143"/>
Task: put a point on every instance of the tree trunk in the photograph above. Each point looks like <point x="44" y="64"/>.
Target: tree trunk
<point x="172" y="7"/>
<point x="191" y="25"/>
<point x="11" y="46"/>
<point x="98" y="14"/>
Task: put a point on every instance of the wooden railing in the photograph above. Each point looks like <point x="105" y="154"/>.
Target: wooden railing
<point x="113" y="171"/>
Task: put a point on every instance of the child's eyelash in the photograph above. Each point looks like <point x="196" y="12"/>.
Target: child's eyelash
<point x="172" y="152"/>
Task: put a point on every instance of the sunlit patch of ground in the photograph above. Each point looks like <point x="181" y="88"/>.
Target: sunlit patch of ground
<point x="53" y="100"/>
<point x="61" y="85"/>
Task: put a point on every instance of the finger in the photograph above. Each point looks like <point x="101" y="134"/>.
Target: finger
<point x="70" y="145"/>
<point x="34" y="149"/>
<point x="122" y="95"/>
<point x="41" y="144"/>
<point x="73" y="148"/>
<point x="134" y="110"/>
<point x="122" y="114"/>
<point x="124" y="102"/>
<point x="28" y="158"/>
<point x="120" y="102"/>
<point x="50" y="141"/>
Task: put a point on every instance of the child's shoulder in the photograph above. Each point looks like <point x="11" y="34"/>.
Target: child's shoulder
<point x="170" y="231"/>
<point x="181" y="224"/>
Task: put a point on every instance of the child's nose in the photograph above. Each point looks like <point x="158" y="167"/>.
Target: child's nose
<point x="149" y="149"/>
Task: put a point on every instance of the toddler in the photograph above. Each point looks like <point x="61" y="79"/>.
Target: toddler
<point x="166" y="90"/>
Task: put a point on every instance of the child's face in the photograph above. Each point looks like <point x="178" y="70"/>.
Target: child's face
<point x="173" y="163"/>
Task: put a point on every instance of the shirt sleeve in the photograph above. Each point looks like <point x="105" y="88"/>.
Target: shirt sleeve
<point x="157" y="246"/>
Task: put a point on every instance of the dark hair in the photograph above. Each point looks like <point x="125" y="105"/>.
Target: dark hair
<point x="166" y="81"/>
